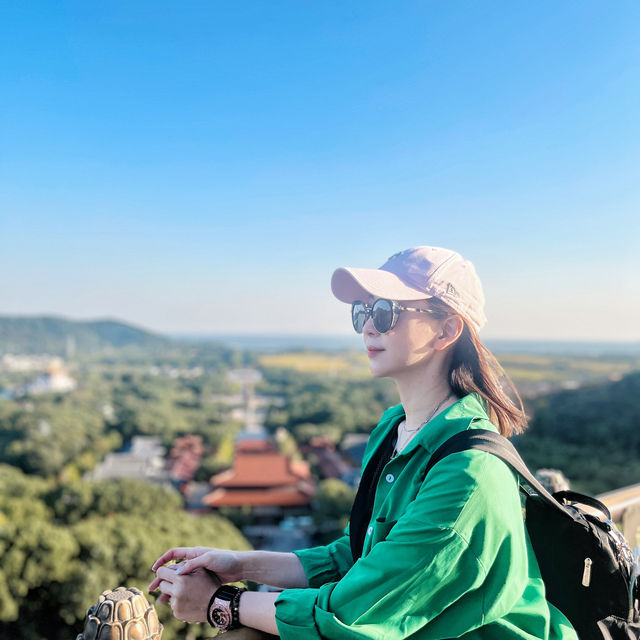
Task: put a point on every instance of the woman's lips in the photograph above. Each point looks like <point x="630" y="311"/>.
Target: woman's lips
<point x="371" y="351"/>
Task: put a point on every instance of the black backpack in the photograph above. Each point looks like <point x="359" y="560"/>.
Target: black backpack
<point x="588" y="569"/>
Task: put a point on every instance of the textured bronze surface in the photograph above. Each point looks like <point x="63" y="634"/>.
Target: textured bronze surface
<point x="121" y="614"/>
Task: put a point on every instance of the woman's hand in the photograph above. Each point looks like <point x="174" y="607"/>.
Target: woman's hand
<point x="266" y="567"/>
<point x="189" y="594"/>
<point x="227" y="565"/>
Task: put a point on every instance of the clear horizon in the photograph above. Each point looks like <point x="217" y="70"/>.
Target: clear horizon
<point x="203" y="168"/>
<point x="307" y="337"/>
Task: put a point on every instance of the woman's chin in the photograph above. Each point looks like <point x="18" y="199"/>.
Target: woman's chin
<point x="377" y="371"/>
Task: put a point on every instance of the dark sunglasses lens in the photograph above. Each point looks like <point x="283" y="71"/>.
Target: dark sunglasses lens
<point x="382" y="315"/>
<point x="358" y="316"/>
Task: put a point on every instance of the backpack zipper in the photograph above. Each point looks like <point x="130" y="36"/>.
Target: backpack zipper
<point x="586" y="574"/>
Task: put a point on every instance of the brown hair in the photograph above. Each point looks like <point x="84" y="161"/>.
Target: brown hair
<point x="474" y="369"/>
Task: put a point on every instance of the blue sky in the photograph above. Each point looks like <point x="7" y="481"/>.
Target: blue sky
<point x="204" y="166"/>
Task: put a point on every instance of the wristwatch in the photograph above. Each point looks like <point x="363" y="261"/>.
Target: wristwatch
<point x="222" y="612"/>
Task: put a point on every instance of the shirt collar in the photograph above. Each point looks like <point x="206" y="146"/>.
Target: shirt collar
<point x="457" y="417"/>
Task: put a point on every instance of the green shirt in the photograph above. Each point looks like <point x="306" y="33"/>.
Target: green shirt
<point x="444" y="556"/>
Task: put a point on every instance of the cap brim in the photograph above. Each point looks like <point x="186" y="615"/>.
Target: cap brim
<point x="350" y="284"/>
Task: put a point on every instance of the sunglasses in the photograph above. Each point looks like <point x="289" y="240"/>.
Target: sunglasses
<point x="383" y="313"/>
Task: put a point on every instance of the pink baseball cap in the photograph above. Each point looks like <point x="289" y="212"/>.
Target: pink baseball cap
<point x="417" y="274"/>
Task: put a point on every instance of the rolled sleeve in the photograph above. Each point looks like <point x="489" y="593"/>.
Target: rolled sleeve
<point x="295" y="614"/>
<point x="328" y="563"/>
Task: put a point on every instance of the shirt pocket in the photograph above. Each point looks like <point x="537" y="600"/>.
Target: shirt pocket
<point x="381" y="528"/>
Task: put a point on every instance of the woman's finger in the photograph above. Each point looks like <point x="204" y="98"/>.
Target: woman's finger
<point x="167" y="574"/>
<point x="188" y="566"/>
<point x="178" y="553"/>
<point x="167" y="590"/>
<point x="172" y="554"/>
<point x="154" y="584"/>
<point x="163" y="559"/>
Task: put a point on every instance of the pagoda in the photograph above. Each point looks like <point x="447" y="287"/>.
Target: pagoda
<point x="261" y="476"/>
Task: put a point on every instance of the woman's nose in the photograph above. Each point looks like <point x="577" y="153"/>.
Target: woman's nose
<point x="368" y="328"/>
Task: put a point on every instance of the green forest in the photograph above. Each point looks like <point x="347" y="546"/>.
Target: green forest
<point x="63" y="544"/>
<point x="592" y="434"/>
<point x="64" y="539"/>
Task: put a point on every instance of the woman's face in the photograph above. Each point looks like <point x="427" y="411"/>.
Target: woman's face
<point x="408" y="347"/>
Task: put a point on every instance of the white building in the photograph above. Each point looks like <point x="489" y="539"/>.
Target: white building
<point x="144" y="460"/>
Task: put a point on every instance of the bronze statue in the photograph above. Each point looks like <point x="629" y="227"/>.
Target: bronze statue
<point x="122" y="614"/>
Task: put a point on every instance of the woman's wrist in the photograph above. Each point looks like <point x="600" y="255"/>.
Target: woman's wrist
<point x="257" y="610"/>
<point x="242" y="564"/>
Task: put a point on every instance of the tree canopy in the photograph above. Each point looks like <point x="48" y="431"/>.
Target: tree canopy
<point x="63" y="546"/>
<point x="591" y="433"/>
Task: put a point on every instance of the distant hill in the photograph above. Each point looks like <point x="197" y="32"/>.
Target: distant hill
<point x="591" y="433"/>
<point x="45" y="334"/>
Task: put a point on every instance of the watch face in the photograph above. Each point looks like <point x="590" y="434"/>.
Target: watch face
<point x="221" y="617"/>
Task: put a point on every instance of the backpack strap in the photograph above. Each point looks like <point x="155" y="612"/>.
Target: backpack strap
<point x="573" y="496"/>
<point x="362" y="507"/>
<point x="499" y="446"/>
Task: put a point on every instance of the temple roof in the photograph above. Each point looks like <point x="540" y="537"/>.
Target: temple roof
<point x="276" y="497"/>
<point x="257" y="469"/>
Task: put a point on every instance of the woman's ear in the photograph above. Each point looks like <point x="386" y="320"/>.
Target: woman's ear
<point x="450" y="331"/>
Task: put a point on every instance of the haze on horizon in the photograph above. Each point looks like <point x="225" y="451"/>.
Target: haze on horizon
<point x="203" y="167"/>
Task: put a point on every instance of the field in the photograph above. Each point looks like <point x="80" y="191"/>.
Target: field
<point x="349" y="363"/>
<point x="532" y="374"/>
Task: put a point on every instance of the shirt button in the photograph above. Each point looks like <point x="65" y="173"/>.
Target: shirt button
<point x="369" y="531"/>
<point x="390" y="477"/>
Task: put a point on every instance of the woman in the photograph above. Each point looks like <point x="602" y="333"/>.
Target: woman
<point x="440" y="556"/>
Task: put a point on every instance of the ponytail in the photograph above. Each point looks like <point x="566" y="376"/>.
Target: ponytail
<point x="474" y="369"/>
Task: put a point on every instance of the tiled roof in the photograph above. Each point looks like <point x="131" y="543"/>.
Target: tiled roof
<point x="253" y="470"/>
<point x="276" y="497"/>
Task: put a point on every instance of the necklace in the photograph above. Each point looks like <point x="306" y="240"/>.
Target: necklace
<point x="411" y="432"/>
